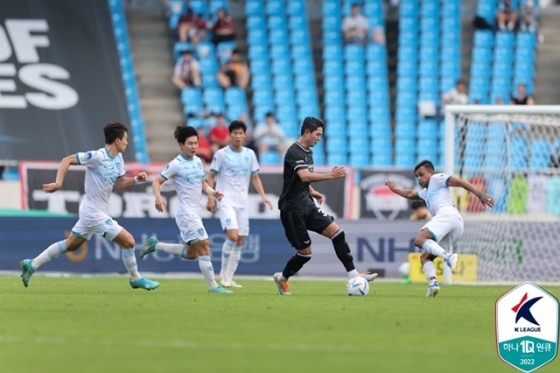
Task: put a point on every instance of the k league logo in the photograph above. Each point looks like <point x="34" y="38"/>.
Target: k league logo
<point x="527" y="327"/>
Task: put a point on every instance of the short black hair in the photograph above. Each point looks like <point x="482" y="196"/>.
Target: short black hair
<point x="185" y="51"/>
<point x="237" y="124"/>
<point x="311" y="124"/>
<point x="269" y="114"/>
<point x="114" y="130"/>
<point x="182" y="133"/>
<point x="425" y="163"/>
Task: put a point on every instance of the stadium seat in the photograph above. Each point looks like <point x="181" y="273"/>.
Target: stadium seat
<point x="337" y="159"/>
<point x="269" y="158"/>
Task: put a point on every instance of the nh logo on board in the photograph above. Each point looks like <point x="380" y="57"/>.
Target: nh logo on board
<point x="527" y="327"/>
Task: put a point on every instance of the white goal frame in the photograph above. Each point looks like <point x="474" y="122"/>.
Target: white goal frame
<point x="451" y="111"/>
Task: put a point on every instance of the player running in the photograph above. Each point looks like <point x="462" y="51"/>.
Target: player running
<point x="299" y="213"/>
<point x="187" y="173"/>
<point x="104" y="168"/>
<point x="233" y="167"/>
<point x="446" y="225"/>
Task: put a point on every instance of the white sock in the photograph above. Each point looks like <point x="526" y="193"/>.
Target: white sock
<point x="233" y="262"/>
<point x="353" y="274"/>
<point x="171" y="248"/>
<point x="52" y="252"/>
<point x="433" y="248"/>
<point x="207" y="270"/>
<point x="226" y="253"/>
<point x="129" y="260"/>
<point x="430" y="271"/>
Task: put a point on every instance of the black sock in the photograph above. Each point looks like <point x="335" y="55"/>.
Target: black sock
<point x="294" y="264"/>
<point x="342" y="250"/>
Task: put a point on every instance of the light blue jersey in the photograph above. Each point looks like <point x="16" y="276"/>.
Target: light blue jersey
<point x="437" y="195"/>
<point x="187" y="175"/>
<point x="101" y="174"/>
<point x="234" y="170"/>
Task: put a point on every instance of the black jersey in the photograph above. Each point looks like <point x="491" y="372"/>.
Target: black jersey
<point x="295" y="193"/>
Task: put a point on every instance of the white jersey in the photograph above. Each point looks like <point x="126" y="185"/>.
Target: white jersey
<point x="187" y="175"/>
<point x="437" y="195"/>
<point x="101" y="174"/>
<point x="234" y="171"/>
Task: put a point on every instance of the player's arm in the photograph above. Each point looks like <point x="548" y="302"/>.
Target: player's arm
<point x="257" y="183"/>
<point x="211" y="204"/>
<point x="483" y="197"/>
<point x="156" y="188"/>
<point x="210" y="191"/>
<point x="312" y="177"/>
<point x="61" y="173"/>
<point x="315" y="194"/>
<point x="127" y="182"/>
<point x="406" y="193"/>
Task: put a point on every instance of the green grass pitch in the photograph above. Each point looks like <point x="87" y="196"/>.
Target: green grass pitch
<point x="100" y="324"/>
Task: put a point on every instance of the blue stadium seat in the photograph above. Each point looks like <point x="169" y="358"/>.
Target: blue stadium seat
<point x="235" y="95"/>
<point x="518" y="153"/>
<point x="358" y="144"/>
<point x="190" y="95"/>
<point x="270" y="157"/>
<point x="381" y="160"/>
<point x="408" y="8"/>
<point x="336" y="128"/>
<point x="337" y="159"/>
<point x="256" y="22"/>
<point x="256" y="36"/>
<point x="281" y="66"/>
<point x="274" y="7"/>
<point x="263" y="98"/>
<point x="359" y="160"/>
<point x="336" y="145"/>
<point x="483" y="39"/>
<point x="405" y="160"/>
<point x="427" y="128"/>
<point x="405" y="129"/>
<point x="303" y="66"/>
<point x="504" y="39"/>
<point x="260" y="66"/>
<point x="209" y="81"/>
<point x="540" y="154"/>
<point x="408" y="24"/>
<point x="354" y="52"/>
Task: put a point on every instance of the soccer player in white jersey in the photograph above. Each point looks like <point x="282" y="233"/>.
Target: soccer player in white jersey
<point x="233" y="167"/>
<point x="104" y="168"/>
<point x="446" y="225"/>
<point x="187" y="172"/>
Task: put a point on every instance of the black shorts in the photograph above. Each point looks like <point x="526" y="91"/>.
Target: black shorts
<point x="297" y="223"/>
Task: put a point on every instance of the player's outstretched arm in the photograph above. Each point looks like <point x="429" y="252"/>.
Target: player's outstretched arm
<point x="315" y="194"/>
<point x="483" y="197"/>
<point x="127" y="182"/>
<point x="257" y="183"/>
<point x="61" y="174"/>
<point x="311" y="177"/>
<point x="406" y="193"/>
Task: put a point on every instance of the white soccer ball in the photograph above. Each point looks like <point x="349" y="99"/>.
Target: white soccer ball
<point x="357" y="286"/>
<point x="404" y="269"/>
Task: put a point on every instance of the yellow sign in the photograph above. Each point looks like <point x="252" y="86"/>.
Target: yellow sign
<point x="466" y="268"/>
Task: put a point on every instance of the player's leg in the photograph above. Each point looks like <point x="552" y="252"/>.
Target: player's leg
<point x="296" y="233"/>
<point x="429" y="269"/>
<point x="202" y="247"/>
<point x="242" y="231"/>
<point x="175" y="249"/>
<point x="125" y="240"/>
<point x="324" y="224"/>
<point x="29" y="266"/>
<point x="438" y="227"/>
<point x="228" y="220"/>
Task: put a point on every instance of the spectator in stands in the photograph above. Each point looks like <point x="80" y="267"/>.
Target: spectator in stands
<point x="355" y="26"/>
<point x="457" y="95"/>
<point x="529" y="16"/>
<point x="269" y="135"/>
<point x="506" y="17"/>
<point x="204" y="149"/>
<point x="499" y="101"/>
<point x="223" y="28"/>
<point x="420" y="211"/>
<point x="378" y="35"/>
<point x="219" y="134"/>
<point x="191" y="28"/>
<point x="234" y="72"/>
<point x="522" y="98"/>
<point x="186" y="72"/>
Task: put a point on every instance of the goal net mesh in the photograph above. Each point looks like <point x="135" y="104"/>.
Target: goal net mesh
<point x="515" y="159"/>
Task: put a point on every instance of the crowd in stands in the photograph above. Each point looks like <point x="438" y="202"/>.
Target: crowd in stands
<point x="356" y="30"/>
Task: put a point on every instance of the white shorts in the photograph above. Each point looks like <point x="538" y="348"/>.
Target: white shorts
<point x="103" y="225"/>
<point x="191" y="229"/>
<point x="234" y="218"/>
<point x="446" y="228"/>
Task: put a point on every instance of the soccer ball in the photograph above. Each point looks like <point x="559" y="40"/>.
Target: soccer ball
<point x="404" y="269"/>
<point x="357" y="286"/>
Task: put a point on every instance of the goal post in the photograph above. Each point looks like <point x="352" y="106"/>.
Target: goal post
<point x="511" y="152"/>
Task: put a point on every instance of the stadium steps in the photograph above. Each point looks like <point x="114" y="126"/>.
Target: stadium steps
<point x="547" y="79"/>
<point x="153" y="62"/>
<point x="468" y="12"/>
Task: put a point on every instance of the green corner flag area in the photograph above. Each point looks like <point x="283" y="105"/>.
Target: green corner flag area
<point x="99" y="324"/>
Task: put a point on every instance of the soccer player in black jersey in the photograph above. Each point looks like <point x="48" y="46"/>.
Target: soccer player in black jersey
<point x="298" y="211"/>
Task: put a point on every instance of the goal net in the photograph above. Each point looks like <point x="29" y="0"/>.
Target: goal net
<point x="511" y="153"/>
